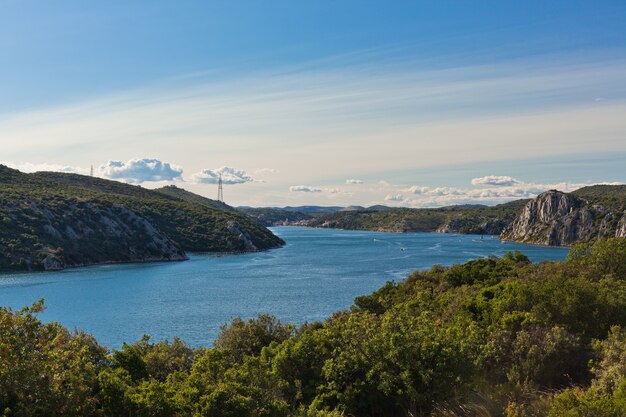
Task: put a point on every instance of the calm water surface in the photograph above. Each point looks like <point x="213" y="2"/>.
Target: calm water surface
<point x="318" y="272"/>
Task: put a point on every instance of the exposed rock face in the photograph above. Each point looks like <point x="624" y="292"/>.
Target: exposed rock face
<point x="98" y="234"/>
<point x="242" y="235"/>
<point x="553" y="218"/>
<point x="621" y="227"/>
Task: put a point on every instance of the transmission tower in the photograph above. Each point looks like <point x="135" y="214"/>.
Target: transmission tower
<point x="91" y="173"/>
<point x="220" y="190"/>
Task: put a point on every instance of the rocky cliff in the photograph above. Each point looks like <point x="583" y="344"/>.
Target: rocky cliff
<point x="559" y="219"/>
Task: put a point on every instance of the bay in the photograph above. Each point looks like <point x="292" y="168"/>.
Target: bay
<point x="318" y="272"/>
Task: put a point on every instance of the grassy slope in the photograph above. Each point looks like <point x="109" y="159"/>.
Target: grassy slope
<point x="610" y="196"/>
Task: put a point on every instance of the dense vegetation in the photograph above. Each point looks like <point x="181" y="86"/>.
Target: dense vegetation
<point x="477" y="219"/>
<point x="52" y="220"/>
<point x="610" y="196"/>
<point x="492" y="337"/>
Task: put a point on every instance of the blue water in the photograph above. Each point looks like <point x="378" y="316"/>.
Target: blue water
<point x="318" y="272"/>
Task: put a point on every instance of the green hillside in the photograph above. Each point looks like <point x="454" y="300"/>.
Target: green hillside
<point x="54" y="220"/>
<point x="454" y="219"/>
<point x="610" y="196"/>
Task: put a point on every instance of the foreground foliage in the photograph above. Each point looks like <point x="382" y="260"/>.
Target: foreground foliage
<point x="492" y="337"/>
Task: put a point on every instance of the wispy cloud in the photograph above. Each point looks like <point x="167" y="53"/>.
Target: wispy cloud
<point x="498" y="180"/>
<point x="262" y="171"/>
<point x="229" y="176"/>
<point x="304" y="189"/>
<point x="353" y="181"/>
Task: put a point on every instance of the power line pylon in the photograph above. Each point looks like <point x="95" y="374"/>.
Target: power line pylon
<point x="220" y="190"/>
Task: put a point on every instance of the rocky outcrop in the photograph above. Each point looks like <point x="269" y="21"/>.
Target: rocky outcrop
<point x="620" y="231"/>
<point x="558" y="219"/>
<point x="80" y="234"/>
<point x="242" y="235"/>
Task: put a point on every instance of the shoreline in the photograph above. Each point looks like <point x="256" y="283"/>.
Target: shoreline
<point x="5" y="272"/>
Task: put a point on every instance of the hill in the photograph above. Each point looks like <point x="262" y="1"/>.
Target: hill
<point x="475" y="219"/>
<point x="557" y="218"/>
<point x="52" y="220"/>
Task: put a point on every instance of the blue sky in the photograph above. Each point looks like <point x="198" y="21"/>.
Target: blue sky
<point x="296" y="96"/>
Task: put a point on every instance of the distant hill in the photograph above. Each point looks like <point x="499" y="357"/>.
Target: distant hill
<point x="51" y="220"/>
<point x="476" y="219"/>
<point x="282" y="216"/>
<point x="301" y="215"/>
<point x="311" y="209"/>
<point x="268" y="216"/>
<point x="467" y="218"/>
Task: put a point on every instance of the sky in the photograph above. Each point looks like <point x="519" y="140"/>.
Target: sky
<point x="404" y="103"/>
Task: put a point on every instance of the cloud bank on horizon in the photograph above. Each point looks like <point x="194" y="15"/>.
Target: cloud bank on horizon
<point x="304" y="189"/>
<point x="488" y="189"/>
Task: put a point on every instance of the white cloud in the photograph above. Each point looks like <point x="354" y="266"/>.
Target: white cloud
<point x="304" y="189"/>
<point x="353" y="181"/>
<point x="136" y="171"/>
<point x="416" y="189"/>
<point x="395" y="197"/>
<point x="332" y="190"/>
<point x="440" y="191"/>
<point x="229" y="176"/>
<point x="497" y="180"/>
